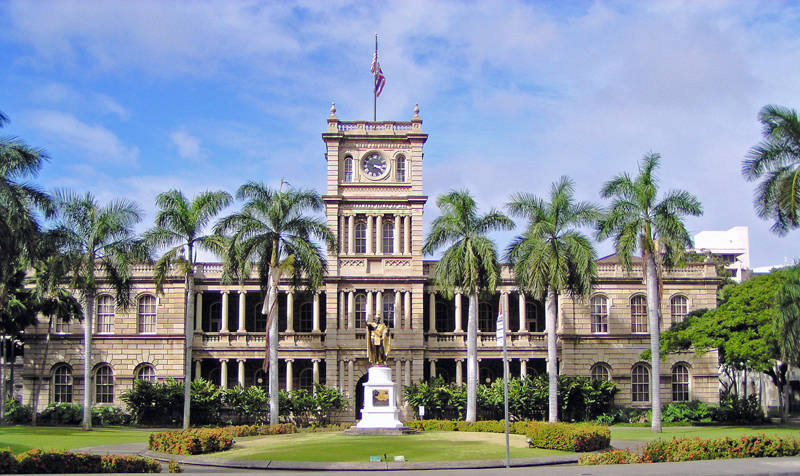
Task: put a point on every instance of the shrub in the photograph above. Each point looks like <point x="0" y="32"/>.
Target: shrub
<point x="191" y="442"/>
<point x="110" y="416"/>
<point x="259" y="430"/>
<point x="174" y="467"/>
<point x="154" y="403"/>
<point x="568" y="437"/>
<point x="733" y="408"/>
<point x="694" y="411"/>
<point x="61" y="414"/>
<point x="692" y="449"/>
<point x="8" y="463"/>
<point x="327" y="399"/>
<point x="130" y="464"/>
<point x="52" y="461"/>
<point x="206" y="401"/>
<point x="17" y="413"/>
<point x="609" y="457"/>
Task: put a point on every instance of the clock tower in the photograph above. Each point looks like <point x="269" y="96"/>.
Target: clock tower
<point x="374" y="205"/>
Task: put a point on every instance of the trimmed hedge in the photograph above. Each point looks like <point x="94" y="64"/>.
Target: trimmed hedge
<point x="259" y="430"/>
<point x="696" y="449"/>
<point x="578" y="437"/>
<point x="557" y="436"/>
<point x="38" y="461"/>
<point x="192" y="441"/>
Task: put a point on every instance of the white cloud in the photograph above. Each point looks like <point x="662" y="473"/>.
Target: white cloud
<point x="59" y="94"/>
<point x="188" y="145"/>
<point x="94" y="142"/>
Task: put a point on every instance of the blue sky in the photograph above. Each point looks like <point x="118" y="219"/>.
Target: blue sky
<point x="134" y="98"/>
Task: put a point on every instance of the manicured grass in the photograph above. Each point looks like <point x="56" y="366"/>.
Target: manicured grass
<point x="644" y="434"/>
<point x="433" y="446"/>
<point x="23" y="438"/>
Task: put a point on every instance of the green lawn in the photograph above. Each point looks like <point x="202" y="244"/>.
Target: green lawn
<point x="644" y="433"/>
<point x="433" y="446"/>
<point x="23" y="438"/>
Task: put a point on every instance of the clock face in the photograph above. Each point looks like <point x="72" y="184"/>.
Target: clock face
<point x="374" y="165"/>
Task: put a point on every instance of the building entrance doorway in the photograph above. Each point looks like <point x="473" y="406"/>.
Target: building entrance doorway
<point x="359" y="402"/>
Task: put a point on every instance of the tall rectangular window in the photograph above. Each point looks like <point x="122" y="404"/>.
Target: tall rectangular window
<point x="147" y="314"/>
<point x="401" y="169"/>
<point x="639" y="314"/>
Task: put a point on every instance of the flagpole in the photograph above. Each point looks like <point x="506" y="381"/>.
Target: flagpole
<point x="375" y="86"/>
<point x="500" y="336"/>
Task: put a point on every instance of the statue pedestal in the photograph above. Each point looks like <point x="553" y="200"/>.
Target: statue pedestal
<point x="380" y="407"/>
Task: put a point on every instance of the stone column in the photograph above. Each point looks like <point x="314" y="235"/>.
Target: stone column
<point x="224" y="307"/>
<point x="315" y="372"/>
<point x="240" y="374"/>
<point x="370" y="305"/>
<point x="351" y="237"/>
<point x="396" y="238"/>
<point x="397" y="308"/>
<point x="351" y="309"/>
<point x="523" y="326"/>
<point x="198" y="313"/>
<point x="407" y="235"/>
<point x="407" y="309"/>
<point x="342" y="310"/>
<point x="407" y="373"/>
<point x="350" y="374"/>
<point x="523" y="368"/>
<point x="289" y="311"/>
<point x="223" y="373"/>
<point x="242" y="314"/>
<point x="458" y="312"/>
<point x="342" y="225"/>
<point x="379" y="304"/>
<point x="370" y="249"/>
<point x="398" y="367"/>
<point x="379" y="234"/>
<point x="459" y="372"/>
<point x="315" y="313"/>
<point x="289" y="375"/>
<point x="432" y="313"/>
<point x="198" y="369"/>
<point x="433" y="368"/>
<point x="341" y="368"/>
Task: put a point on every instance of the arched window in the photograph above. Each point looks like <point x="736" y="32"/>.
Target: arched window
<point x="599" y="312"/>
<point x="678" y="308"/>
<point x="388" y="309"/>
<point x="306" y="317"/>
<point x="259" y="319"/>
<point x="487" y="321"/>
<point x="600" y="372"/>
<point x="388" y="237"/>
<point x="640" y="383"/>
<point x="680" y="383"/>
<point x="305" y="379"/>
<point x="147" y="314"/>
<point x="104" y="384"/>
<point x="348" y="169"/>
<point x="639" y="314"/>
<point x="401" y="168"/>
<point x="361" y="310"/>
<point x="361" y="237"/>
<point x="62" y="384"/>
<point x="61" y="326"/>
<point x="534" y="316"/>
<point x="146" y="372"/>
<point x="105" y="314"/>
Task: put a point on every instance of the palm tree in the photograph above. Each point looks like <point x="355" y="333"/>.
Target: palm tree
<point x="273" y="231"/>
<point x="179" y="224"/>
<point x="97" y="238"/>
<point x="469" y="264"/>
<point x="636" y="219"/>
<point x="776" y="161"/>
<point x="551" y="257"/>
<point x="19" y="203"/>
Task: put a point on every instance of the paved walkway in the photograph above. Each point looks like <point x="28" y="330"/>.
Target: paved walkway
<point x="546" y="466"/>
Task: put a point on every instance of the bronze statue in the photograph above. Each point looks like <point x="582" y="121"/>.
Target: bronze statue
<point x="378" y="342"/>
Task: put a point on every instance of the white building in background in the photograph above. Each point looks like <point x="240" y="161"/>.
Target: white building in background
<point x="732" y="245"/>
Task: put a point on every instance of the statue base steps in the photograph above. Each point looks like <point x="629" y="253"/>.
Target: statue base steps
<point x="353" y="430"/>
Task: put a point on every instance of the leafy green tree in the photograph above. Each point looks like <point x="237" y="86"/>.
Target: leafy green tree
<point x="179" y="226"/>
<point x="637" y="219"/>
<point x="97" y="238"/>
<point x="776" y="162"/>
<point x="552" y="257"/>
<point x="787" y="319"/>
<point x="273" y="231"/>
<point x="744" y="329"/>
<point x="469" y="264"/>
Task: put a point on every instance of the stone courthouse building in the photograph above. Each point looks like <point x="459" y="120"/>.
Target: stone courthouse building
<point x="374" y="204"/>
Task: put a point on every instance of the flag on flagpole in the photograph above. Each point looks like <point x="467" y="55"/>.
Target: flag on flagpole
<point x="380" y="79"/>
<point x="500" y="330"/>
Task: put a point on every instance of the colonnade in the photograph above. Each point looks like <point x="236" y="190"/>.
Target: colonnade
<point x="401" y="308"/>
<point x="401" y="233"/>
<point x="227" y="365"/>
<point x="242" y="314"/>
<point x="459" y="325"/>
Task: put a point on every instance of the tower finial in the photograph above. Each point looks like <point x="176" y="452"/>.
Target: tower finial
<point x="416" y="111"/>
<point x="333" y="110"/>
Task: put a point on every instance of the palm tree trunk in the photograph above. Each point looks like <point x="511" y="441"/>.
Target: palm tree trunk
<point x="37" y="383"/>
<point x="551" y="311"/>
<point x="87" y="359"/>
<point x="272" y="298"/>
<point x="472" y="358"/>
<point x="3" y="380"/>
<point x="187" y="356"/>
<point x="654" y="322"/>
